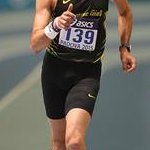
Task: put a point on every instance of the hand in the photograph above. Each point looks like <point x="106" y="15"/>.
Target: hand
<point x="66" y="19"/>
<point x="128" y="61"/>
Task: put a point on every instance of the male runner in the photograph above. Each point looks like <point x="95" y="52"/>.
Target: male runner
<point x="73" y="33"/>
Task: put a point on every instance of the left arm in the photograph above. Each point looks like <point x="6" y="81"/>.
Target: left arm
<point x="125" y="28"/>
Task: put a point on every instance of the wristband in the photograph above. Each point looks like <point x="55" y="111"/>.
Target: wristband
<point x="50" y="32"/>
<point x="56" y="25"/>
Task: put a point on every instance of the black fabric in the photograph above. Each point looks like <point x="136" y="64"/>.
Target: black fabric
<point x="68" y="85"/>
<point x="94" y="9"/>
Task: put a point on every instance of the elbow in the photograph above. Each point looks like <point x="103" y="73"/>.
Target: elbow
<point x="127" y="13"/>
<point x="34" y="48"/>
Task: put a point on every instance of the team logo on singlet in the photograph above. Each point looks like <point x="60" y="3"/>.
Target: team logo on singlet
<point x="82" y="35"/>
<point x="66" y="1"/>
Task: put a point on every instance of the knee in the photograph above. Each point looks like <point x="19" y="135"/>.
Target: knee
<point x="74" y="142"/>
<point x="58" y="144"/>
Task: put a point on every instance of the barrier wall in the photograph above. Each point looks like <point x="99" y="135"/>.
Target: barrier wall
<point x="16" y="4"/>
<point x="27" y="4"/>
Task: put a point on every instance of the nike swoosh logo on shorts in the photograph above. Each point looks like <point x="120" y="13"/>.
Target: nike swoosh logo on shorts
<point x="91" y="96"/>
<point x="66" y="1"/>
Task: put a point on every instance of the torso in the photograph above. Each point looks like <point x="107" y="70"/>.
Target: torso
<point x="85" y="40"/>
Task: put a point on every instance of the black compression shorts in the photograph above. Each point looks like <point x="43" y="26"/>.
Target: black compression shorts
<point x="67" y="85"/>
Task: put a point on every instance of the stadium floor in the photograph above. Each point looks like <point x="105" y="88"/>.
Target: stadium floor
<point x="121" y="118"/>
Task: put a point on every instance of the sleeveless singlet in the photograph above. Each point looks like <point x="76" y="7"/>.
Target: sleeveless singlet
<point x="85" y="40"/>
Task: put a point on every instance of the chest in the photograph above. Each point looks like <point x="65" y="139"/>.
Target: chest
<point x="88" y="7"/>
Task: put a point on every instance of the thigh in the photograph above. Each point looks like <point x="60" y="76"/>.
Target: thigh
<point x="54" y="96"/>
<point x="83" y="95"/>
<point x="54" y="101"/>
<point x="77" y="121"/>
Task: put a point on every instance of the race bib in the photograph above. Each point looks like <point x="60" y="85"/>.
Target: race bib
<point x="82" y="35"/>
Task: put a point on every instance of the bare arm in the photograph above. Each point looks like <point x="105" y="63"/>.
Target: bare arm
<point x="39" y="40"/>
<point x="125" y="28"/>
<point x="124" y="20"/>
<point x="42" y="17"/>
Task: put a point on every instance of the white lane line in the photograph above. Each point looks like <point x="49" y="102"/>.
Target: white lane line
<point x="22" y="87"/>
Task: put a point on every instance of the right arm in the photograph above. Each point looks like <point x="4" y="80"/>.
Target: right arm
<point x="39" y="40"/>
<point x="42" y="17"/>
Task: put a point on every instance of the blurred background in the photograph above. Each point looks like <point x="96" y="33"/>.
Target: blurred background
<point x="121" y="119"/>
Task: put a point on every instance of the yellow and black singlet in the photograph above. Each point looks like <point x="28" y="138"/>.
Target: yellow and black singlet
<point x="85" y="40"/>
